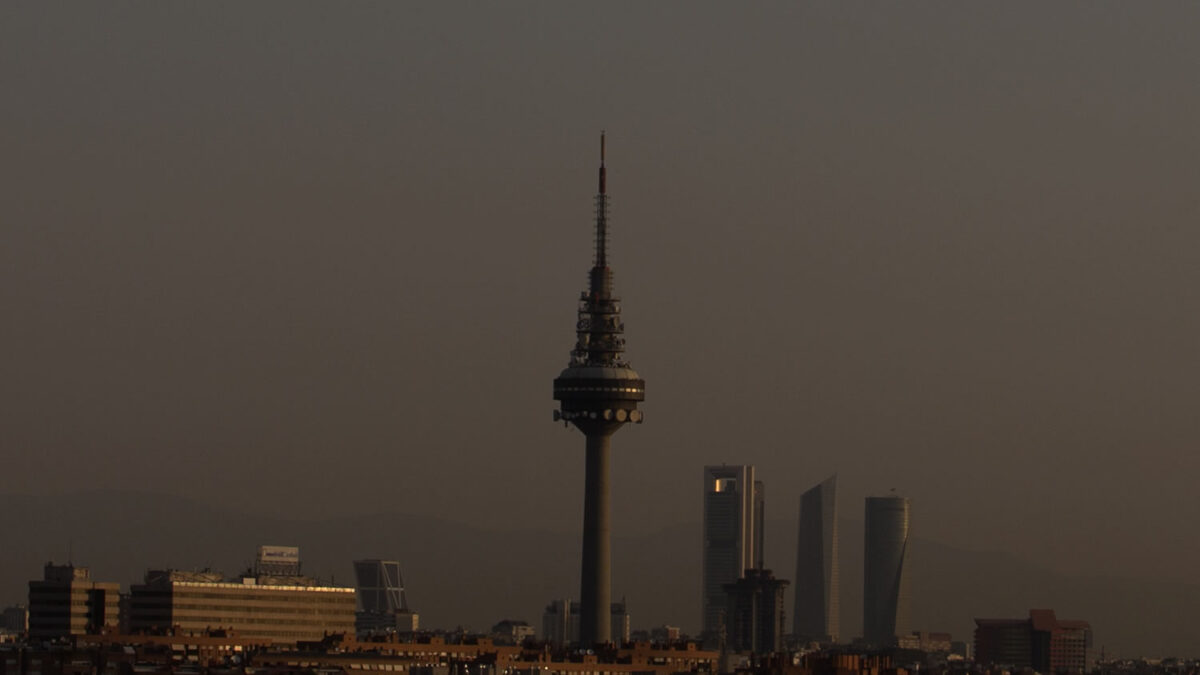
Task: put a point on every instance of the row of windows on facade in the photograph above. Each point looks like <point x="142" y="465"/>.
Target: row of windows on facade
<point x="226" y="620"/>
<point x="239" y="616"/>
<point x="327" y="597"/>
<point x="55" y="599"/>
<point x="347" y="608"/>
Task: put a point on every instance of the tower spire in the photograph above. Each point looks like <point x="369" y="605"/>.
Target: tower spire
<point x="602" y="185"/>
<point x="601" y="277"/>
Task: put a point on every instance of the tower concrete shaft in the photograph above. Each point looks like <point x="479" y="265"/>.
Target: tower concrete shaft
<point x="595" y="584"/>
<point x="598" y="393"/>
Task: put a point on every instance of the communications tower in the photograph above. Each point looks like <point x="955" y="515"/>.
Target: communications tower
<point x="598" y="393"/>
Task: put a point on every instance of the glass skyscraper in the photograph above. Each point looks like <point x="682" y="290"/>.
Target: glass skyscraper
<point x="817" y="609"/>
<point x="885" y="570"/>
<point x="733" y="540"/>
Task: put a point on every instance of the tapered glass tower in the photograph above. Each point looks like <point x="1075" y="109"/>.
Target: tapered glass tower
<point x="598" y="392"/>
<point x="817" y="610"/>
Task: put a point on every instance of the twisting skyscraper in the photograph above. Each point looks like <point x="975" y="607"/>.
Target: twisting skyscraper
<point x="885" y="570"/>
<point x="817" y="606"/>
<point x="598" y="393"/>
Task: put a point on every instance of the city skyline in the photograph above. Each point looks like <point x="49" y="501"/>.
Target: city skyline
<point x="655" y="575"/>
<point x="249" y="253"/>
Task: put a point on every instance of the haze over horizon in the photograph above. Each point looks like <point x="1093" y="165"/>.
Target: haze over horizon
<point x="323" y="259"/>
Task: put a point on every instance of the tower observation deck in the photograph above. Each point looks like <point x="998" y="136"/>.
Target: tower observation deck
<point x="598" y="392"/>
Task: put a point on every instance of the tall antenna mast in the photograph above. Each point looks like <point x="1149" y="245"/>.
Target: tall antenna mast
<point x="602" y="282"/>
<point x="602" y="186"/>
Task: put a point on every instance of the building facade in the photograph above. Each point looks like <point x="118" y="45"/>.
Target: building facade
<point x="885" y="570"/>
<point x="732" y="536"/>
<point x="192" y="603"/>
<point x="560" y="622"/>
<point x="512" y="632"/>
<point x="754" y="616"/>
<point x="67" y="602"/>
<point x="817" y="609"/>
<point x="1042" y="642"/>
<point x="15" y="620"/>
<point x="926" y="641"/>
<point x="382" y="600"/>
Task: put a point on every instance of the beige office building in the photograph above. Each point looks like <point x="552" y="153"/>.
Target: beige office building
<point x="191" y="603"/>
<point x="67" y="602"/>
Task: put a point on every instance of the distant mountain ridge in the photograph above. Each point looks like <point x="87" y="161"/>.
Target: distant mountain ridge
<point x="460" y="574"/>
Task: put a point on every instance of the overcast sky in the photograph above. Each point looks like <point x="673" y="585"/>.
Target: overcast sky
<point x="322" y="258"/>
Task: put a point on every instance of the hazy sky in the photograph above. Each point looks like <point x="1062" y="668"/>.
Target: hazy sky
<point x="324" y="258"/>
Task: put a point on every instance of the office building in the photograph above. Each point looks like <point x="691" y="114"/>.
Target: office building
<point x="754" y="617"/>
<point x="382" y="601"/>
<point x="556" y="622"/>
<point x="885" y="570"/>
<point x="256" y="608"/>
<point x="925" y="641"/>
<point x="599" y="393"/>
<point x="1042" y="643"/>
<point x="733" y="536"/>
<point x="512" y="632"/>
<point x="816" y="612"/>
<point x="665" y="634"/>
<point x="561" y="622"/>
<point x="67" y="602"/>
<point x="14" y="620"/>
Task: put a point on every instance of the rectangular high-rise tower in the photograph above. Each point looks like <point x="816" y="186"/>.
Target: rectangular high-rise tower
<point x="382" y="601"/>
<point x="755" y="620"/>
<point x="885" y="570"/>
<point x="817" y="610"/>
<point x="733" y="539"/>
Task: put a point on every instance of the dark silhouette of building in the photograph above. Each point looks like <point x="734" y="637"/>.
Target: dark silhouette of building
<point x="14" y="620"/>
<point x="561" y="622"/>
<point x="885" y="570"/>
<point x="926" y="641"/>
<point x="382" y="601"/>
<point x="817" y="611"/>
<point x="733" y="536"/>
<point x="1042" y="642"/>
<point x="512" y="632"/>
<point x="67" y="602"/>
<point x="598" y="392"/>
<point x="222" y="652"/>
<point x="754" y="616"/>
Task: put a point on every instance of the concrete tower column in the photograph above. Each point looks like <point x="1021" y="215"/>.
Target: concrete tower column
<point x="595" y="594"/>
